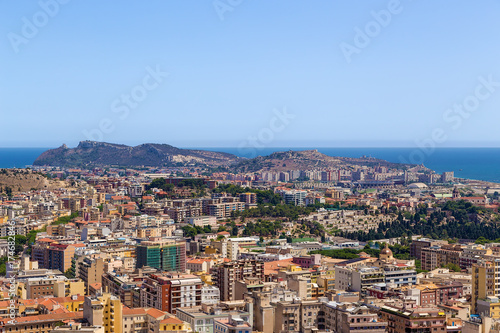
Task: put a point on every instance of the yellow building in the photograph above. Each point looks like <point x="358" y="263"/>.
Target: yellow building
<point x="173" y="324"/>
<point x="72" y="303"/>
<point x="112" y="313"/>
<point x="21" y="290"/>
<point x="105" y="310"/>
<point x="51" y="304"/>
<point x="161" y="322"/>
<point x="294" y="268"/>
<point x="127" y="252"/>
<point x="205" y="277"/>
<point x="69" y="288"/>
<point x="483" y="282"/>
<point x="327" y="282"/>
<point x="148" y="232"/>
<point x="60" y="289"/>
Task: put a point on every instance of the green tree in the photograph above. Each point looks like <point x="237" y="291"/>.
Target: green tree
<point x="234" y="230"/>
<point x="453" y="267"/>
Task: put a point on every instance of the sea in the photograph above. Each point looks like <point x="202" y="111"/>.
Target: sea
<point x="470" y="163"/>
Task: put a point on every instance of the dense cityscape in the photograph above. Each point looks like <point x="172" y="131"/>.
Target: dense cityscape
<point x="237" y="166"/>
<point x="185" y="249"/>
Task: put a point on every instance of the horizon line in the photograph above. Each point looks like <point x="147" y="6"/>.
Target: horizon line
<point x="272" y="147"/>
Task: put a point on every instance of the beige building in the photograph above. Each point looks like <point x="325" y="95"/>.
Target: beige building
<point x="78" y="328"/>
<point x="413" y="319"/>
<point x="199" y="265"/>
<point x="298" y="316"/>
<point x="437" y="256"/>
<point x="233" y="324"/>
<point x="91" y="271"/>
<point x="349" y="318"/>
<point x="226" y="274"/>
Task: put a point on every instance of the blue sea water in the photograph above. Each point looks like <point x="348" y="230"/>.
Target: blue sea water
<point x="19" y="157"/>
<point x="472" y="163"/>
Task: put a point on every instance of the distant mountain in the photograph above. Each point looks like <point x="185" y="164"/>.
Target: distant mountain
<point x="305" y="160"/>
<point x="91" y="153"/>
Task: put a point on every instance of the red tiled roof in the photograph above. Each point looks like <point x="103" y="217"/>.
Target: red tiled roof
<point x="135" y="311"/>
<point x="45" y="318"/>
<point x="197" y="261"/>
<point x="171" y="320"/>
<point x="155" y="313"/>
<point x="272" y="267"/>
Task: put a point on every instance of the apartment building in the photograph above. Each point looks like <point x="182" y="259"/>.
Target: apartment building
<point x="39" y="323"/>
<point x="122" y="287"/>
<point x="225" y="275"/>
<point x="234" y="244"/>
<point x="438" y="256"/>
<point x="413" y="319"/>
<point x="439" y="293"/>
<point x="41" y="287"/>
<point x="167" y="254"/>
<point x="183" y="213"/>
<point x="248" y="198"/>
<point x="417" y="245"/>
<point x="359" y="278"/>
<point x="135" y="320"/>
<point x="54" y="255"/>
<point x="293" y="197"/>
<point x="169" y="291"/>
<point x="203" y="221"/>
<point x="263" y="308"/>
<point x="350" y="318"/>
<point x="233" y="324"/>
<point x="201" y="318"/>
<point x="210" y="295"/>
<point x="105" y="310"/>
<point x="71" y="328"/>
<point x="225" y="209"/>
<point x="298" y="315"/>
<point x="90" y="271"/>
<point x="489" y="307"/>
<point x="199" y="265"/>
<point x="485" y="281"/>
<point x="400" y="275"/>
<point x="473" y="254"/>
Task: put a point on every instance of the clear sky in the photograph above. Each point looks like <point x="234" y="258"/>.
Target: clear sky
<point x="349" y="73"/>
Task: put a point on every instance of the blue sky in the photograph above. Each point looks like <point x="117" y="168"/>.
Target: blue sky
<point x="232" y="64"/>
